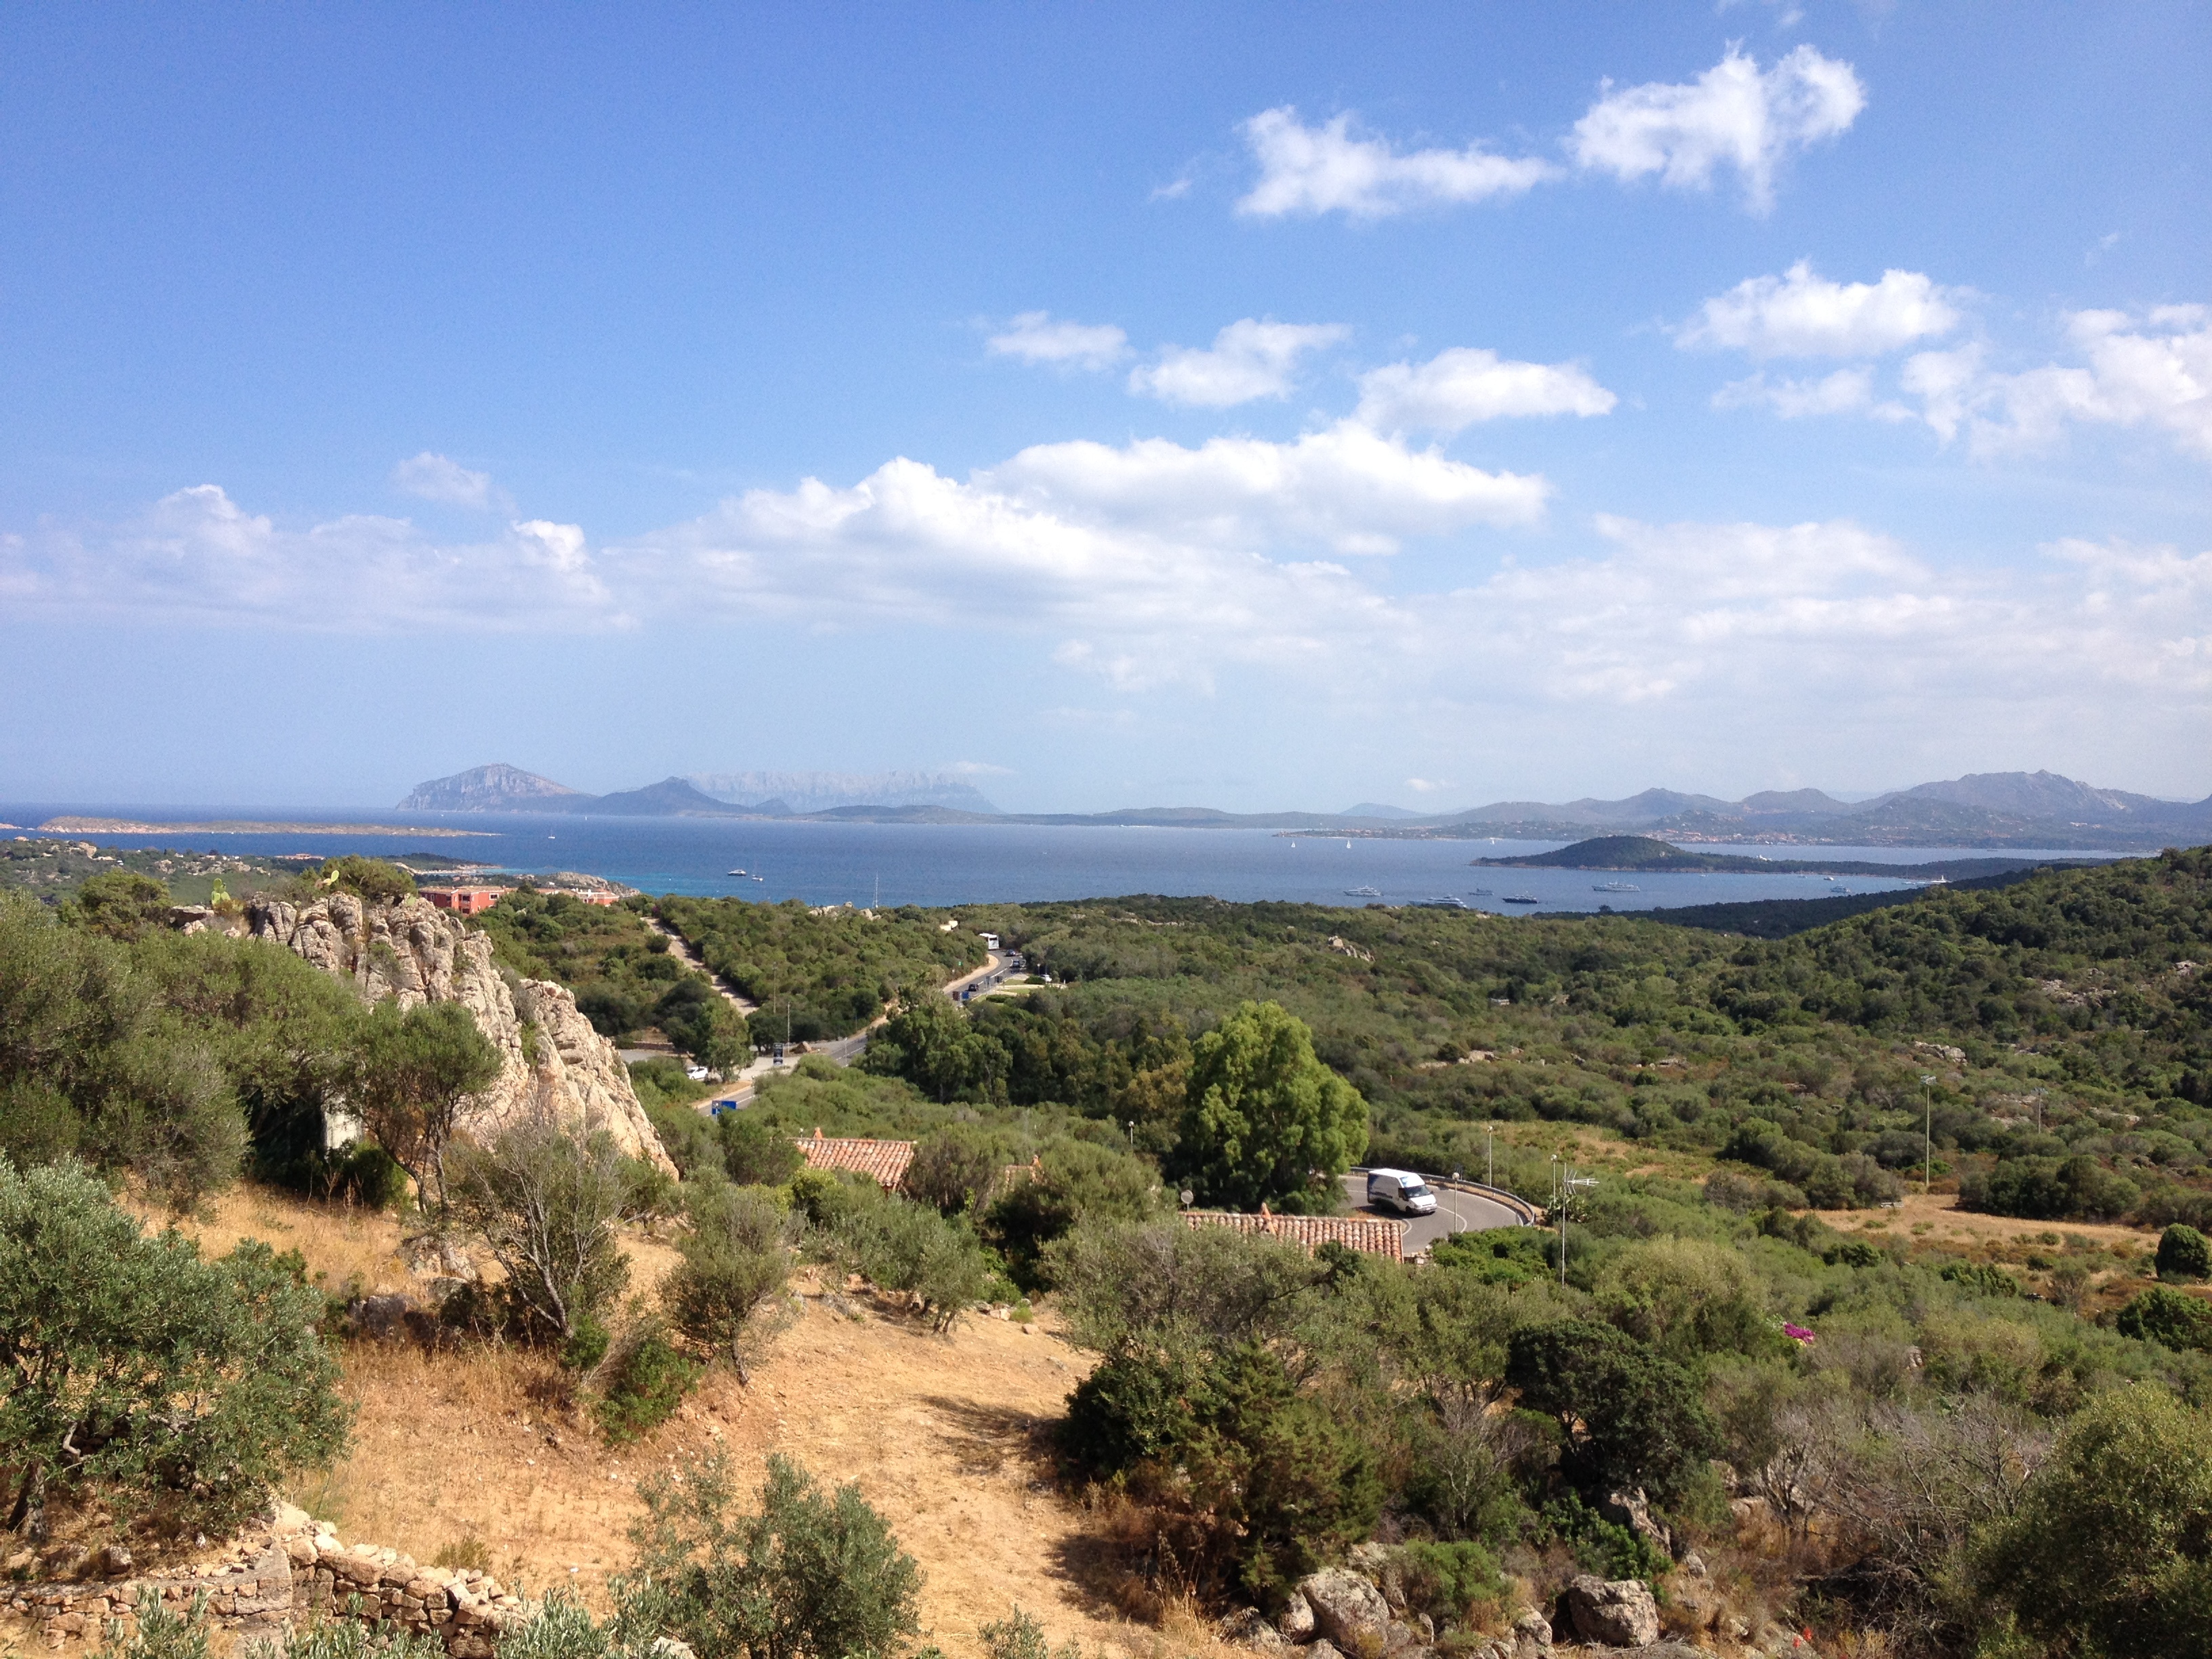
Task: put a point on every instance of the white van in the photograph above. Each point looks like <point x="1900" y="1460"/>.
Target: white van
<point x="1399" y="1190"/>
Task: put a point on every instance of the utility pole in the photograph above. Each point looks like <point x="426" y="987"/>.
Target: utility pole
<point x="1928" y="1134"/>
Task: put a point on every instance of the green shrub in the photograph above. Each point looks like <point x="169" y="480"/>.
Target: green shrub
<point x="163" y="1632"/>
<point x="1444" y="1580"/>
<point x="374" y="879"/>
<point x="641" y="1385"/>
<point x="2184" y="1252"/>
<point x="2171" y="1318"/>
<point x="2110" y="1548"/>
<point x="813" y="1575"/>
<point x="755" y="1153"/>
<point x="586" y="1344"/>
<point x="350" y="1638"/>
<point x="1603" y="1546"/>
<point x="1021" y="1636"/>
<point x="1271" y="1480"/>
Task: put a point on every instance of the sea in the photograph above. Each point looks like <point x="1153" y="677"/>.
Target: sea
<point x="951" y="865"/>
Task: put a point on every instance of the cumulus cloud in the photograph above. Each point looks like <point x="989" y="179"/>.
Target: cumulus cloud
<point x="1734" y="115"/>
<point x="1458" y="387"/>
<point x="1846" y="391"/>
<point x="1248" y="358"/>
<point x="1346" y="487"/>
<point x="1034" y="337"/>
<point x="1799" y="314"/>
<point x="2152" y="371"/>
<point x="435" y="478"/>
<point x="195" y="557"/>
<point x="1327" y="169"/>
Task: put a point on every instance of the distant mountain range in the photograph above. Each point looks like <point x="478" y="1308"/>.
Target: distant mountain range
<point x="1982" y="810"/>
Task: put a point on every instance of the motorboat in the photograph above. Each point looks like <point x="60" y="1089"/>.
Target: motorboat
<point x="1445" y="904"/>
<point x="1477" y="893"/>
<point x="1522" y="898"/>
<point x="1616" y="887"/>
<point x="1363" y="893"/>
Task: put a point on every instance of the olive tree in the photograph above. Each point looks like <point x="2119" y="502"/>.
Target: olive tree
<point x="551" y="1208"/>
<point x="737" y="1259"/>
<point x="132" y="1369"/>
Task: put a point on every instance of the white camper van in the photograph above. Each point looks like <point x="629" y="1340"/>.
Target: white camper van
<point x="1401" y="1191"/>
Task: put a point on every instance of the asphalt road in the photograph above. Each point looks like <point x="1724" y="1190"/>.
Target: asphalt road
<point x="1456" y="1212"/>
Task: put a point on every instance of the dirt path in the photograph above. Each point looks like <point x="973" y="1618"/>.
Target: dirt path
<point x="681" y="948"/>
<point x="482" y="1449"/>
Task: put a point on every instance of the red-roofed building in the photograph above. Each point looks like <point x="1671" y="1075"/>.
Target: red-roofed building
<point x="886" y="1160"/>
<point x="1369" y="1234"/>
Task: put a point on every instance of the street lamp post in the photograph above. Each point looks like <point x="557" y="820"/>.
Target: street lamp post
<point x="1928" y="1135"/>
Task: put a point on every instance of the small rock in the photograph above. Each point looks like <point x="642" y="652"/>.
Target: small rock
<point x="1619" y="1612"/>
<point x="1532" y="1630"/>
<point x="1295" y="1621"/>
<point x="1247" y="1627"/>
<point x="1694" y="1564"/>
<point x="113" y="1561"/>
<point x="1321" y="1648"/>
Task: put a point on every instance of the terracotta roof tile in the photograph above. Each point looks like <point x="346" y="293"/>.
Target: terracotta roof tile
<point x="886" y="1160"/>
<point x="1369" y="1234"/>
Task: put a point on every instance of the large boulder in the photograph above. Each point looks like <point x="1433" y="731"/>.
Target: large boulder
<point x="1619" y="1612"/>
<point x="411" y="952"/>
<point x="1532" y="1632"/>
<point x="1350" y="1611"/>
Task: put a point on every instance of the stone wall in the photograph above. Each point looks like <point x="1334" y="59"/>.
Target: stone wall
<point x="412" y="953"/>
<point x="296" y="1571"/>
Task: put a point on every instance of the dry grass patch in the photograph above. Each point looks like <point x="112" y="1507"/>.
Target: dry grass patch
<point x="484" y="1451"/>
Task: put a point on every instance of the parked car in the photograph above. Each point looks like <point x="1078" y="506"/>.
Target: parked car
<point x="1401" y="1191"/>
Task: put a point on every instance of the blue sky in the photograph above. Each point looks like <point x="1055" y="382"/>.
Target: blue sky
<point x="1259" y="406"/>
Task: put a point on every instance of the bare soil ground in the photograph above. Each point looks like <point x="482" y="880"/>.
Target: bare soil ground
<point x="486" y="1451"/>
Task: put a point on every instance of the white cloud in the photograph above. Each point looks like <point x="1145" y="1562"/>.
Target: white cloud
<point x="435" y="478"/>
<point x="1734" y="115"/>
<point x="1034" y="337"/>
<point x="2152" y="371"/>
<point x="1458" y="387"/>
<point x="195" y="557"/>
<point x="1346" y="487"/>
<point x="1799" y="314"/>
<point x="1846" y="391"/>
<point x="1326" y="169"/>
<point x="1426" y="786"/>
<point x="979" y="770"/>
<point x="1248" y="358"/>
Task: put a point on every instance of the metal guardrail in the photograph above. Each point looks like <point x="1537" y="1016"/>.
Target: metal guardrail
<point x="1529" y="1214"/>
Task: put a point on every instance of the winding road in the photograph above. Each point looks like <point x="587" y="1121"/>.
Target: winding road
<point x="1457" y="1211"/>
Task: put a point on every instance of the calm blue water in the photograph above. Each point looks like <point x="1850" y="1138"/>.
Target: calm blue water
<point x="972" y="864"/>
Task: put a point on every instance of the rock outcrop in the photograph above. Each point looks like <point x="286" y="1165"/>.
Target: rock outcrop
<point x="1349" y="1608"/>
<point x="1619" y="1612"/>
<point x="413" y="953"/>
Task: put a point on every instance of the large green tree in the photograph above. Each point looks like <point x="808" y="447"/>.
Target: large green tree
<point x="1263" y="1119"/>
<point x="132" y="1369"/>
<point x="1629" y="1417"/>
<point x="412" y="1073"/>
